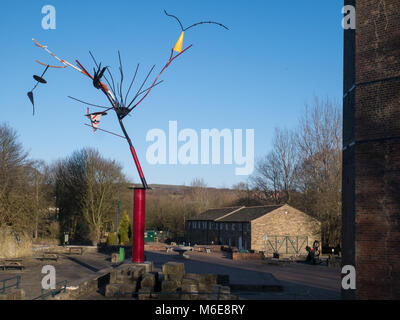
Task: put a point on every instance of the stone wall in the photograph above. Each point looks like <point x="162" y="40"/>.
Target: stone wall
<point x="247" y="256"/>
<point x="285" y="221"/>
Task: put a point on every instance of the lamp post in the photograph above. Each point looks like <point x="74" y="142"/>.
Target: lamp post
<point x="116" y="237"/>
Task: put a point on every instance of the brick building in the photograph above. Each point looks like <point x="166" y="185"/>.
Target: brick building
<point x="280" y="228"/>
<point x="371" y="150"/>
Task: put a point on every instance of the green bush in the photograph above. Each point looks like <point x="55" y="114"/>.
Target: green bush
<point x="112" y="236"/>
<point x="124" y="231"/>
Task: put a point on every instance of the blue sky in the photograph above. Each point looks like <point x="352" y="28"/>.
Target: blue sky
<point x="276" y="56"/>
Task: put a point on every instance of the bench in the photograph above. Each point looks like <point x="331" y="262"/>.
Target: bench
<point x="75" y="250"/>
<point x="11" y="264"/>
<point x="49" y="256"/>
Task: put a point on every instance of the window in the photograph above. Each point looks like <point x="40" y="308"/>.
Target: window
<point x="248" y="227"/>
<point x="240" y="227"/>
<point x="188" y="224"/>
<point x="210" y="225"/>
<point x="220" y="226"/>
<point x="233" y="226"/>
<point x="226" y="226"/>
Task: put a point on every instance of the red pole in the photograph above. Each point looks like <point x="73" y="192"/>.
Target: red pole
<point x="138" y="225"/>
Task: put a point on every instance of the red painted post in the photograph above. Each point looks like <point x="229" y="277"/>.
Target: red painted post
<point x="139" y="207"/>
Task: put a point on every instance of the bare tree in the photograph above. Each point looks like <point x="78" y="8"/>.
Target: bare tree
<point x="304" y="167"/>
<point x="200" y="194"/>
<point x="319" y="139"/>
<point x="86" y="188"/>
<point x="276" y="173"/>
<point x="15" y="196"/>
<point x="41" y="194"/>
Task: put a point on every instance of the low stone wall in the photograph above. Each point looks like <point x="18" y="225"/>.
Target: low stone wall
<point x="247" y="256"/>
<point x="213" y="248"/>
<point x="155" y="246"/>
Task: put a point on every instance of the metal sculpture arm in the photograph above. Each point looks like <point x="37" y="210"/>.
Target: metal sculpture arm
<point x="112" y="99"/>
<point x="66" y="63"/>
<point x="155" y="80"/>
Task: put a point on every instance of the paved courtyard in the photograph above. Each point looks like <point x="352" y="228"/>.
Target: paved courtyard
<point x="299" y="281"/>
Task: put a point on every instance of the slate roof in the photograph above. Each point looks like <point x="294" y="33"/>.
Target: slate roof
<point x="247" y="214"/>
<point x="213" y="214"/>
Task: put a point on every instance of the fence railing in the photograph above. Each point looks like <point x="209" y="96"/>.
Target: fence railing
<point x="4" y="286"/>
<point x="61" y="286"/>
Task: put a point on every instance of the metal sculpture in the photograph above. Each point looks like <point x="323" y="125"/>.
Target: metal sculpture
<point x="118" y="101"/>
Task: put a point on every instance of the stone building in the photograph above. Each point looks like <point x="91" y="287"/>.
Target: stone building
<point x="279" y="228"/>
<point x="371" y="150"/>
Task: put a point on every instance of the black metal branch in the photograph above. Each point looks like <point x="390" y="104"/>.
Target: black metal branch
<point x="97" y="65"/>
<point x="112" y="88"/>
<point x="150" y="87"/>
<point x="90" y="104"/>
<point x="122" y="78"/>
<point x="133" y="80"/>
<point x="151" y="70"/>
<point x="196" y="24"/>
<point x="193" y="25"/>
<point x="47" y="67"/>
<point x="37" y="82"/>
<point x="170" y="15"/>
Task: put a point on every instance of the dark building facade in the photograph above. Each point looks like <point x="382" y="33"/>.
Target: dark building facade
<point x="371" y="150"/>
